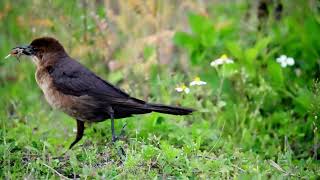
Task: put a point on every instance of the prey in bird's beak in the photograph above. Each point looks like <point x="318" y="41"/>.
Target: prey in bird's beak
<point x="19" y="51"/>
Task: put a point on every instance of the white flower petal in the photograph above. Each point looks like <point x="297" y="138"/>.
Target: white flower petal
<point x="220" y="61"/>
<point x="199" y="83"/>
<point x="203" y="83"/>
<point x="213" y="64"/>
<point x="283" y="64"/>
<point x="216" y="63"/>
<point x="187" y="90"/>
<point x="224" y="59"/>
<point x="179" y="89"/>
<point x="193" y="83"/>
<point x="281" y="59"/>
<point x="229" y="61"/>
<point x="290" y="61"/>
<point x="285" y="61"/>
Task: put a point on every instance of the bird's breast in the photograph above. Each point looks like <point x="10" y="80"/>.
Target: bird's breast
<point x="54" y="97"/>
<point x="77" y="107"/>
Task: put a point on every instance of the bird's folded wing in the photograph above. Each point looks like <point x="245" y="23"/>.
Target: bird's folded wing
<point x="74" y="79"/>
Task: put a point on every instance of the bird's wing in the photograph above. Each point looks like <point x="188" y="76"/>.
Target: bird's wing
<point x="72" y="78"/>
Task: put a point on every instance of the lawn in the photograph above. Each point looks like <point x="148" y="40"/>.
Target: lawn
<point x="257" y="112"/>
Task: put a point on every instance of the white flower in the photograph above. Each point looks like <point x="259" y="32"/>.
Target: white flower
<point x="285" y="61"/>
<point x="197" y="82"/>
<point x="183" y="88"/>
<point x="224" y="59"/>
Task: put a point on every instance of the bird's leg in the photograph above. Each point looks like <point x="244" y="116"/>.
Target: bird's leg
<point x="121" y="151"/>
<point x="80" y="130"/>
<point x="114" y="137"/>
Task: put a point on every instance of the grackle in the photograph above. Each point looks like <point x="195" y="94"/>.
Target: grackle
<point x="72" y="88"/>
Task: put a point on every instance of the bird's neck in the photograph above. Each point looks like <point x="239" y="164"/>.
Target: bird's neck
<point x="48" y="59"/>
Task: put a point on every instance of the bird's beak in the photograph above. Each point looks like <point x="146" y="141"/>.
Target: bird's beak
<point x="24" y="50"/>
<point x="27" y="50"/>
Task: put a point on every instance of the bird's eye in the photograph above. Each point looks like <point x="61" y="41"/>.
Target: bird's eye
<point x="35" y="49"/>
<point x="49" y="69"/>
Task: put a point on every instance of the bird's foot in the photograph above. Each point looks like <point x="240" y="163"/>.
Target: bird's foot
<point x="115" y="138"/>
<point x="121" y="135"/>
<point x="118" y="146"/>
<point x="120" y="150"/>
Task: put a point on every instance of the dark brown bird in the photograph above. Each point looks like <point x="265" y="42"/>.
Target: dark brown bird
<point x="72" y="88"/>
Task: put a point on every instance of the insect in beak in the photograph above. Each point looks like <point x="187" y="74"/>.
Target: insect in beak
<point x="19" y="51"/>
<point x="7" y="56"/>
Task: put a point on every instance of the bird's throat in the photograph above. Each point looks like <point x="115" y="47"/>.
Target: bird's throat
<point x="35" y="60"/>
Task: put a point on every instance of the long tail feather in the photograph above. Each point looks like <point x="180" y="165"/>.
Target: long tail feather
<point x="169" y="109"/>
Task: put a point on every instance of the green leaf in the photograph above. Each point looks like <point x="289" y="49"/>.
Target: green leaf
<point x="148" y="51"/>
<point x="251" y="54"/>
<point x="235" y="49"/>
<point x="262" y="44"/>
<point x="196" y="57"/>
<point x="303" y="101"/>
<point x="275" y="74"/>
<point x="116" y="77"/>
<point x="199" y="24"/>
<point x="184" y="40"/>
<point x="208" y="38"/>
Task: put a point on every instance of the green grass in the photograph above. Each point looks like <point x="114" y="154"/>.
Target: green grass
<point x="254" y="119"/>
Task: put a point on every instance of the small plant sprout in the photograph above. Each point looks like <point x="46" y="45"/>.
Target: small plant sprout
<point x="285" y="61"/>
<point x="224" y="59"/>
<point x="221" y="104"/>
<point x="197" y="82"/>
<point x="183" y="88"/>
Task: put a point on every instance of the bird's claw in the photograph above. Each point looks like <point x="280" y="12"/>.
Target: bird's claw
<point x="114" y="139"/>
<point x="122" y="134"/>
<point x="120" y="150"/>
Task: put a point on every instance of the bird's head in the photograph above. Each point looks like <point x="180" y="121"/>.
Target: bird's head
<point x="39" y="48"/>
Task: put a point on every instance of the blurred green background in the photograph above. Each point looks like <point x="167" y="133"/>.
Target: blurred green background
<point x="257" y="117"/>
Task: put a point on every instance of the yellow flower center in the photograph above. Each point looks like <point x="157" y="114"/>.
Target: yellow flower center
<point x="183" y="87"/>
<point x="224" y="56"/>
<point x="196" y="79"/>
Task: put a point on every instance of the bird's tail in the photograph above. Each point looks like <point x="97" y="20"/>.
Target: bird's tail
<point x="169" y="109"/>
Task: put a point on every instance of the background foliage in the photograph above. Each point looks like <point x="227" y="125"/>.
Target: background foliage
<point x="255" y="119"/>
